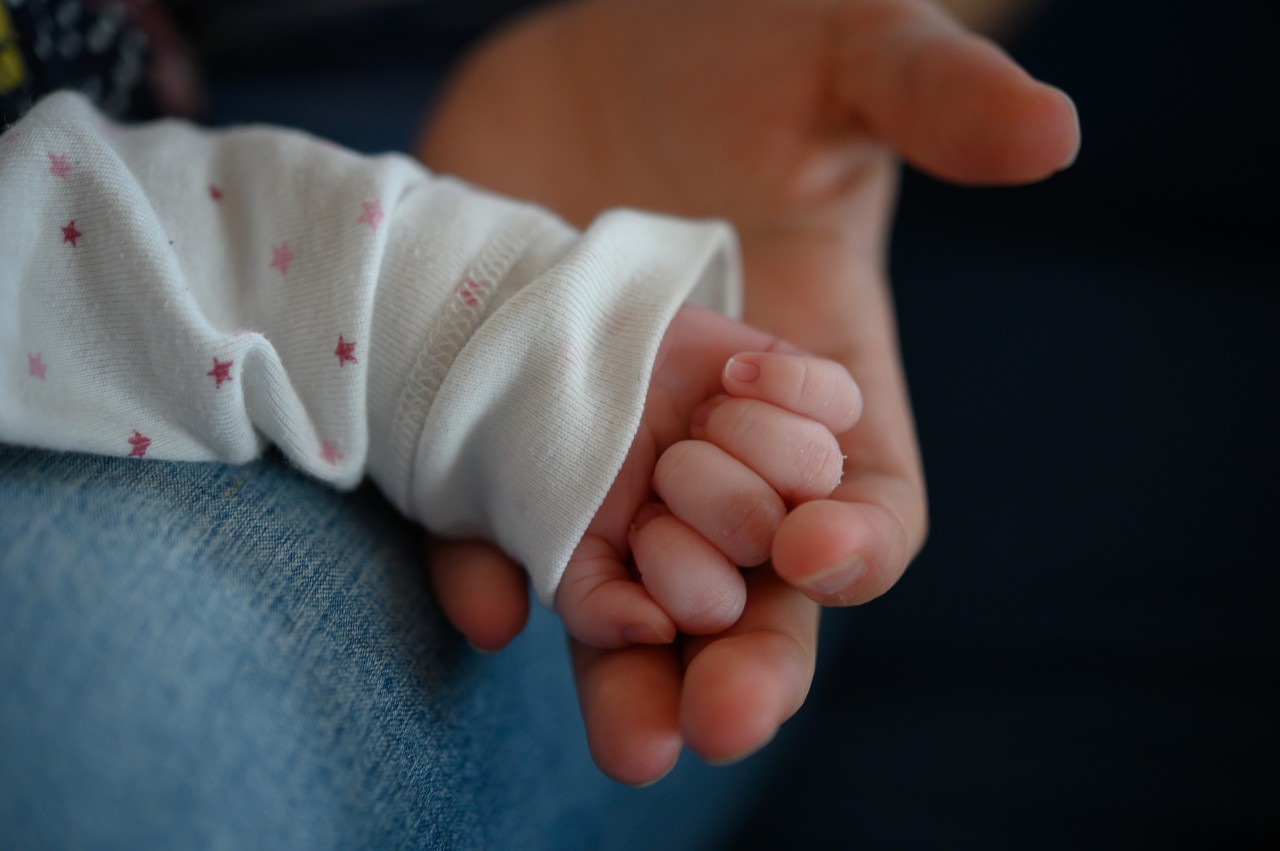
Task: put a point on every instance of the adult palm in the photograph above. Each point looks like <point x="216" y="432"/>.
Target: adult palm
<point x="788" y="118"/>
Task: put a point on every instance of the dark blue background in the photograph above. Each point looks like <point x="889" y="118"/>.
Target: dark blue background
<point x="1086" y="654"/>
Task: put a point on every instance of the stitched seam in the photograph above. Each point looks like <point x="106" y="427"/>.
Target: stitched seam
<point x="467" y="306"/>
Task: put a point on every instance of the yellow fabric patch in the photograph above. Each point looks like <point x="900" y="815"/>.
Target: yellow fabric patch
<point x="12" y="70"/>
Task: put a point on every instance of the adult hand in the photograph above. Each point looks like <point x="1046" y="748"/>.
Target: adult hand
<point x="786" y="117"/>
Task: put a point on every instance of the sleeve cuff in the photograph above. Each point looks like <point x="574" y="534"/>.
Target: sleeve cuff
<point x="532" y="422"/>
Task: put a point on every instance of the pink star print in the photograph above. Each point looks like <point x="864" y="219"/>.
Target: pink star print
<point x="329" y="451"/>
<point x="58" y="165"/>
<point x="35" y="366"/>
<point x="281" y="257"/>
<point x="140" y="444"/>
<point x="221" y="372"/>
<point x="346" y="351"/>
<point x="470" y="291"/>
<point x="215" y="193"/>
<point x="372" y="214"/>
<point x="70" y="234"/>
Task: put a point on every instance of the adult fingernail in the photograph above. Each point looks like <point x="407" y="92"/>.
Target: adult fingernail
<point x="739" y="757"/>
<point x="643" y="633"/>
<point x="645" y="784"/>
<point x="1075" y="115"/>
<point x="742" y="371"/>
<point x="835" y="579"/>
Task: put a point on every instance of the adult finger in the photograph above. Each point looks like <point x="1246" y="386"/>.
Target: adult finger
<point x="950" y="102"/>
<point x="853" y="546"/>
<point x="845" y="550"/>
<point x="877" y="517"/>
<point x="630" y="703"/>
<point x="481" y="591"/>
<point x="729" y="693"/>
<point x="740" y="686"/>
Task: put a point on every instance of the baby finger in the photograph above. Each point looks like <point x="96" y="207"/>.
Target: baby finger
<point x="720" y="497"/>
<point x="689" y="578"/>
<point x="799" y="457"/>
<point x="812" y="387"/>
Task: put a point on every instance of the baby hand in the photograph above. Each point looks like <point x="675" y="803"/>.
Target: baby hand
<point x="737" y="429"/>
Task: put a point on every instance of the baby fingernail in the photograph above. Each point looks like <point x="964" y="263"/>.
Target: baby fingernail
<point x="835" y="579"/>
<point x="741" y="370"/>
<point x="643" y="633"/>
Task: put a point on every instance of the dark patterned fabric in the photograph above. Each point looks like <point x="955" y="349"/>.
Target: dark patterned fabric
<point x="130" y="58"/>
<point x="105" y="49"/>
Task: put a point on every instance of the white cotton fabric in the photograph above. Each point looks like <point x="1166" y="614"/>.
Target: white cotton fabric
<point x="177" y="293"/>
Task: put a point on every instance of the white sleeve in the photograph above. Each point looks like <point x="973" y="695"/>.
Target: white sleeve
<point x="170" y="292"/>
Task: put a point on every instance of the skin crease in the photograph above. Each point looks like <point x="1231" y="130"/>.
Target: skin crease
<point x="716" y="503"/>
<point x="787" y="117"/>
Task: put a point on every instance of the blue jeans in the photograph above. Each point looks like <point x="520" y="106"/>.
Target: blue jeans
<point x="196" y="655"/>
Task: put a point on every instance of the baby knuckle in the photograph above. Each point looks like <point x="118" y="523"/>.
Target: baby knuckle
<point x="673" y="463"/>
<point x="809" y="394"/>
<point x="741" y="422"/>
<point x="757" y="517"/>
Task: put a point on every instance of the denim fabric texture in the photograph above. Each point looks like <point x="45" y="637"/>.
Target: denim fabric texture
<point x="204" y="656"/>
